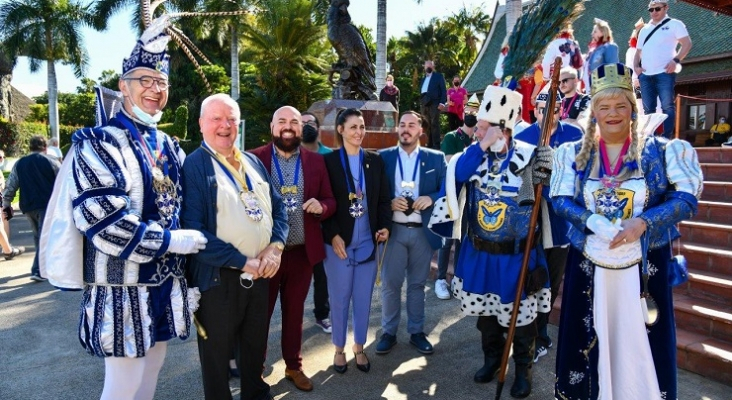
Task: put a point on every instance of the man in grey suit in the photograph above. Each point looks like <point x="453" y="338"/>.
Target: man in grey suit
<point x="433" y="98"/>
<point x="415" y="178"/>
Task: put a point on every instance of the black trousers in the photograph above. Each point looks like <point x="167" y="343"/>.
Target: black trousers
<point x="432" y="115"/>
<point x="492" y="340"/>
<point x="234" y="317"/>
<point x="556" y="259"/>
<point x="454" y="121"/>
<point x="320" y="292"/>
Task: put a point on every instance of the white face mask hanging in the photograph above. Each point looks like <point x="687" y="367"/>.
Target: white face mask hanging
<point x="144" y="117"/>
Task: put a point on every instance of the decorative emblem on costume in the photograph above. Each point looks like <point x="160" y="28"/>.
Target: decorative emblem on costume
<point x="491" y="214"/>
<point x="614" y="203"/>
<point x="289" y="198"/>
<point x="356" y="209"/>
<point x="251" y="205"/>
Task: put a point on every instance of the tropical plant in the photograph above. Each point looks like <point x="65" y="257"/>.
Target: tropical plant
<point x="50" y="31"/>
<point x="381" y="47"/>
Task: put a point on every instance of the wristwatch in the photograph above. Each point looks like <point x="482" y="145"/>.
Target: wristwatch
<point x="278" y="245"/>
<point x="676" y="60"/>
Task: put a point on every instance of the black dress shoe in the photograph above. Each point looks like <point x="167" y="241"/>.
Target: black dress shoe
<point x="488" y="371"/>
<point x="362" y="367"/>
<point x="419" y="340"/>
<point x="521" y="387"/>
<point x="341" y="369"/>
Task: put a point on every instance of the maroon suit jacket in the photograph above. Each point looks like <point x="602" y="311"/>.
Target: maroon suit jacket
<point x="317" y="186"/>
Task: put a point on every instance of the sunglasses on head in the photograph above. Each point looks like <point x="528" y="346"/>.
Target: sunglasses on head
<point x="565" y="80"/>
<point x="656" y="9"/>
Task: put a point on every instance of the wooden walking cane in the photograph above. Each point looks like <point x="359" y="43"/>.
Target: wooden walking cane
<point x="543" y="141"/>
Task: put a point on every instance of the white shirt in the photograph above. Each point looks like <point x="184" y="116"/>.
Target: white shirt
<point x="661" y="47"/>
<point x="426" y="83"/>
<point x="520" y="126"/>
<point x="410" y="167"/>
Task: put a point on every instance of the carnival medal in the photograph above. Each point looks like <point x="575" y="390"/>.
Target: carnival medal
<point x="289" y="193"/>
<point x="251" y="205"/>
<point x="356" y="209"/>
<point x="289" y="198"/>
<point x="406" y="192"/>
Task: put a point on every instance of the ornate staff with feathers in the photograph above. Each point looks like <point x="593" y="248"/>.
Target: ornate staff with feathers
<point x="531" y="34"/>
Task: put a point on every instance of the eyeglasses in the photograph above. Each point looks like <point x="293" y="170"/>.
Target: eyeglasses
<point x="148" y="81"/>
<point x="565" y="80"/>
<point x="656" y="9"/>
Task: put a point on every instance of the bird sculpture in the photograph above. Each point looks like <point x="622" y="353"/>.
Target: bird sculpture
<point x="354" y="66"/>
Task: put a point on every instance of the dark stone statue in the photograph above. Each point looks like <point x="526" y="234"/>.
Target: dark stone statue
<point x="356" y="71"/>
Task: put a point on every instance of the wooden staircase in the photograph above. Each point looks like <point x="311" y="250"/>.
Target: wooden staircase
<point x="703" y="305"/>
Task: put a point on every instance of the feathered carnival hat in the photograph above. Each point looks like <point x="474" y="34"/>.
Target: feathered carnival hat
<point x="149" y="51"/>
<point x="500" y="106"/>
<point x="611" y="76"/>
<point x="473" y="102"/>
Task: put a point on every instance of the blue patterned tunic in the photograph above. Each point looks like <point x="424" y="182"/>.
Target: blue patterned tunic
<point x="135" y="293"/>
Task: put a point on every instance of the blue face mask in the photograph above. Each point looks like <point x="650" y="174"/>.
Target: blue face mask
<point x="144" y="117"/>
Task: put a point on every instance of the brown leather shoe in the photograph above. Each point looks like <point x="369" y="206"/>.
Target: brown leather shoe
<point x="300" y="380"/>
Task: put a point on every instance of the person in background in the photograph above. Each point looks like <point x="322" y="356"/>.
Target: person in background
<point x="311" y="134"/>
<point x="658" y="59"/>
<point x="601" y="50"/>
<point x="9" y="252"/>
<point x="433" y="96"/>
<point x="720" y="131"/>
<point x="231" y="199"/>
<point x="302" y="180"/>
<point x="574" y="105"/>
<point x="34" y="175"/>
<point x="553" y="228"/>
<point x="311" y="141"/>
<point x="618" y="189"/>
<point x="454" y="142"/>
<point x="53" y="150"/>
<point x="390" y="93"/>
<point x="564" y="46"/>
<point x="362" y="220"/>
<point x="415" y="178"/>
<point x="457" y="96"/>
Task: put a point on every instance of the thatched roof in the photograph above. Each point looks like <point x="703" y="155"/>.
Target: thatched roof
<point x="20" y="105"/>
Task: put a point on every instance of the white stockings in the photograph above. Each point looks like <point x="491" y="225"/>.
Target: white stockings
<point x="133" y="378"/>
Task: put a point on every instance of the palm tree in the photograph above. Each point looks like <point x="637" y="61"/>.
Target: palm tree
<point x="50" y="31"/>
<point x="513" y="12"/>
<point x="381" y="43"/>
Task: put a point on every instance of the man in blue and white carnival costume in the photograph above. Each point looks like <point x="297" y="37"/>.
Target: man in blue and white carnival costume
<point x="553" y="228"/>
<point x="494" y="178"/>
<point x="126" y="202"/>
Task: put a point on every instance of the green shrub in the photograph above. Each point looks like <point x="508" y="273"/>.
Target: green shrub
<point x="14" y="137"/>
<point x="180" y="125"/>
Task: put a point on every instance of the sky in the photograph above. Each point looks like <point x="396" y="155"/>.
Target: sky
<point x="107" y="49"/>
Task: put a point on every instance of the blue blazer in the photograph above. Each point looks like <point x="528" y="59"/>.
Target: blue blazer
<point x="432" y="172"/>
<point x="436" y="90"/>
<point x="199" y="213"/>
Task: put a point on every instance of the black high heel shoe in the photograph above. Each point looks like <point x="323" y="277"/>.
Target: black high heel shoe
<point x="362" y="367"/>
<point x="341" y="369"/>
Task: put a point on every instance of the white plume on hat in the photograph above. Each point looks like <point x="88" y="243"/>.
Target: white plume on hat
<point x="500" y="105"/>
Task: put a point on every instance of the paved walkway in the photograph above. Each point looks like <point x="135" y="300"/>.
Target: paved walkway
<point x="41" y="358"/>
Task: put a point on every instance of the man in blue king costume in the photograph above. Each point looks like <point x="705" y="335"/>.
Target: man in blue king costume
<point x="126" y="200"/>
<point x="492" y="180"/>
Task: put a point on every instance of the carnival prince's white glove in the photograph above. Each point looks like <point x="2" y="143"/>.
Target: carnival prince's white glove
<point x="602" y="227"/>
<point x="186" y="241"/>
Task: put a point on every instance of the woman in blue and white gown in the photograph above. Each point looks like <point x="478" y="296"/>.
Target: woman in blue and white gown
<point x="615" y="186"/>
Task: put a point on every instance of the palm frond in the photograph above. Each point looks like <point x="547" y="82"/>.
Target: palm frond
<point x="534" y="30"/>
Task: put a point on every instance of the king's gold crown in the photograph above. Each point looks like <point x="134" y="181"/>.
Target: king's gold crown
<point x="611" y="76"/>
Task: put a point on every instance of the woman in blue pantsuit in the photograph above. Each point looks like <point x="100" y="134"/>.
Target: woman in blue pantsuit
<point x="361" y="221"/>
